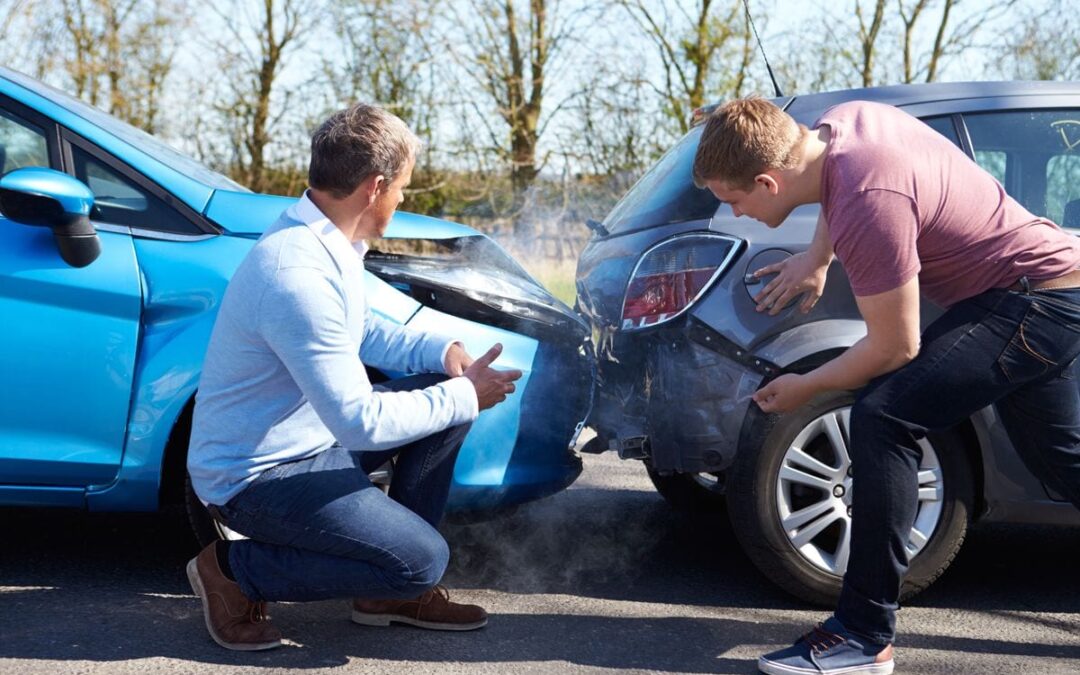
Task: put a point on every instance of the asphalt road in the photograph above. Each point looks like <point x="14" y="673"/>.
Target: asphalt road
<point x="601" y="577"/>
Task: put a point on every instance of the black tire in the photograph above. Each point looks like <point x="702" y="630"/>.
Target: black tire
<point x="690" y="493"/>
<point x="755" y="516"/>
<point x="203" y="526"/>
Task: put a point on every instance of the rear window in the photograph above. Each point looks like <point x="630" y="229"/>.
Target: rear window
<point x="666" y="194"/>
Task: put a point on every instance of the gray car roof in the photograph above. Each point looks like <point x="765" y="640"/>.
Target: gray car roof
<point x="907" y="94"/>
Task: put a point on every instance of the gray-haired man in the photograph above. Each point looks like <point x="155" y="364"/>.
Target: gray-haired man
<point x="287" y="425"/>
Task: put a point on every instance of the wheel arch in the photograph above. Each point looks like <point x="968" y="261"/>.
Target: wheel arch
<point x="971" y="439"/>
<point x="174" y="460"/>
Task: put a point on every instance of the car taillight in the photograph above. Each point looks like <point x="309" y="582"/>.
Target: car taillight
<point x="672" y="275"/>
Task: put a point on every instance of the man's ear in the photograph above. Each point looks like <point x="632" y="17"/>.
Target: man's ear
<point x="769" y="181"/>
<point x="371" y="186"/>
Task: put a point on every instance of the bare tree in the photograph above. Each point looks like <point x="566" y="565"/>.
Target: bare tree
<point x="375" y="35"/>
<point x="254" y="49"/>
<point x="116" y="54"/>
<point x="868" y="30"/>
<point x="953" y="33"/>
<point x="1027" y="53"/>
<point x="508" y="48"/>
<point x="694" y="48"/>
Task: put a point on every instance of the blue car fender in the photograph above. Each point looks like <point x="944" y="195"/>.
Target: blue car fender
<point x="183" y="289"/>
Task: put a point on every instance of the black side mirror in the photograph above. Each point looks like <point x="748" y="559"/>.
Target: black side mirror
<point x="47" y="198"/>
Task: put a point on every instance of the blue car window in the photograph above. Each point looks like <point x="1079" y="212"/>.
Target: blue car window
<point x="121" y="201"/>
<point x="1035" y="154"/>
<point x="21" y="144"/>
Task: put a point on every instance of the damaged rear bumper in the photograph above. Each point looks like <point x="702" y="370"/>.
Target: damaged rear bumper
<point x="683" y="411"/>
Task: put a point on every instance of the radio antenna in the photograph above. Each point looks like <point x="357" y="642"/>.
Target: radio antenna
<point x="750" y="20"/>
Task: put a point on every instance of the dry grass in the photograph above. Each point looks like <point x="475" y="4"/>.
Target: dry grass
<point x="556" y="275"/>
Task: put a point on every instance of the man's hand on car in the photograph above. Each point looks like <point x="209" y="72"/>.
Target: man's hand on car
<point x="801" y="273"/>
<point x="785" y="393"/>
<point x="456" y="360"/>
<point x="492" y="386"/>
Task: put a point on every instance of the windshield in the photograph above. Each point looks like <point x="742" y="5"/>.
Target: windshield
<point x="137" y="138"/>
<point x="666" y="194"/>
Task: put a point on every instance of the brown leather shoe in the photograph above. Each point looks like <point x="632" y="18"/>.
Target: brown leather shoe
<point x="432" y="610"/>
<point x="232" y="620"/>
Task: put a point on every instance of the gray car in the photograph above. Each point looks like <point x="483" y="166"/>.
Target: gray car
<point x="667" y="285"/>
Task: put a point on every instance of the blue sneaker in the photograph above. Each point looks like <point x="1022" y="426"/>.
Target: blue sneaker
<point x="829" y="649"/>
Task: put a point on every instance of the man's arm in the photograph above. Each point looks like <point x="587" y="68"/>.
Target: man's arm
<point x="802" y="273"/>
<point x="892" y="340"/>
<point x="302" y="317"/>
<point x="396" y="347"/>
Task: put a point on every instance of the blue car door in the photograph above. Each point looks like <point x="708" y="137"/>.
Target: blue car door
<point x="68" y="341"/>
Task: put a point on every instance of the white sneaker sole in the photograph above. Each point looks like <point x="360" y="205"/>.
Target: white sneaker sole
<point x="196" y="585"/>
<point x="772" y="668"/>
<point x="387" y="619"/>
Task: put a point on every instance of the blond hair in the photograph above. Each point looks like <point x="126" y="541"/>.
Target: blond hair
<point x="744" y="138"/>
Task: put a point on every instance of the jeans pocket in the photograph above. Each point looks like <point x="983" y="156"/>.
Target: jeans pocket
<point x="1043" y="341"/>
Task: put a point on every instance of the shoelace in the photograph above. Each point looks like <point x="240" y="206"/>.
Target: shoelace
<point x="427" y="598"/>
<point x="821" y="640"/>
<point x="436" y="590"/>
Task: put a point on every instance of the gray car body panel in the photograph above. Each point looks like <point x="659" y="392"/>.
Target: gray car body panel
<point x="1010" y="492"/>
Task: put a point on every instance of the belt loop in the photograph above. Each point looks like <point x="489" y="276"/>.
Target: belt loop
<point x="1025" y="284"/>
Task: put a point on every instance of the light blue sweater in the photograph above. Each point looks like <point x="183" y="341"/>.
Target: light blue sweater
<point x="283" y="378"/>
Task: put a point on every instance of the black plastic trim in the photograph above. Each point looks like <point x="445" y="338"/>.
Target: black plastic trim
<point x="47" y="124"/>
<point x="205" y="226"/>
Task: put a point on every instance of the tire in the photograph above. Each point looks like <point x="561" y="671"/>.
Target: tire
<point x="691" y="492"/>
<point x="809" y="563"/>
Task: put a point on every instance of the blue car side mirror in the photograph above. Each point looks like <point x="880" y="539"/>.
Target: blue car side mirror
<point x="48" y="198"/>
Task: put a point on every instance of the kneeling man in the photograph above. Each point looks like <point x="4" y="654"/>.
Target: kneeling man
<point x="287" y="424"/>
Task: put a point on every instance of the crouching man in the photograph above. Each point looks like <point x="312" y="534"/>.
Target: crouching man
<point x="906" y="211"/>
<point x="287" y="424"/>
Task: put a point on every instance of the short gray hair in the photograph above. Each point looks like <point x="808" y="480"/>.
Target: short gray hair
<point x="355" y="143"/>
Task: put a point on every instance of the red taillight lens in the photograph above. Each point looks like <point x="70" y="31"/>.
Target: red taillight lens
<point x="671" y="276"/>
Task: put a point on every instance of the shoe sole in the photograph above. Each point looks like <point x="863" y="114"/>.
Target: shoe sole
<point x="196" y="585"/>
<point x="387" y="619"/>
<point x="772" y="668"/>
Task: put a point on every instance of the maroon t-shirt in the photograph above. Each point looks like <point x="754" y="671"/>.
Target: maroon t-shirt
<point x="900" y="199"/>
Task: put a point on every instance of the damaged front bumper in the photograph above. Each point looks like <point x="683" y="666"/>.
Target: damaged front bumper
<point x="682" y="412"/>
<point x="522" y="449"/>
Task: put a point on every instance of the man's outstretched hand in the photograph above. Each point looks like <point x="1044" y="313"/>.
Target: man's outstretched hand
<point x="492" y="386"/>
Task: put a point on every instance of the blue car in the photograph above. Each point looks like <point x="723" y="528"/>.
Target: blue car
<point x="114" y="254"/>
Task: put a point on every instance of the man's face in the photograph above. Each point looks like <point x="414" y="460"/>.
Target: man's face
<point x="390" y="195"/>
<point x="762" y="202"/>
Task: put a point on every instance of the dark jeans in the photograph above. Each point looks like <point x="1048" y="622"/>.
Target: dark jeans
<point x="1013" y="349"/>
<point x="319" y="529"/>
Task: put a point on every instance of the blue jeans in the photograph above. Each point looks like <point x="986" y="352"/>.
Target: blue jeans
<point x="1013" y="349"/>
<point x="319" y="529"/>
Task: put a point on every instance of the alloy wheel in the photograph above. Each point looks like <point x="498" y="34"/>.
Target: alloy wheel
<point x="813" y="493"/>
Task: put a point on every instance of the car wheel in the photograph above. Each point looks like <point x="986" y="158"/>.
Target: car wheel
<point x="690" y="492"/>
<point x="790" y="496"/>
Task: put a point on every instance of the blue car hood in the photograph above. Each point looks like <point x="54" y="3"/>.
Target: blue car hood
<point x="250" y="213"/>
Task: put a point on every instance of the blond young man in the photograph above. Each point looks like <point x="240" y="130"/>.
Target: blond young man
<point x="906" y="213"/>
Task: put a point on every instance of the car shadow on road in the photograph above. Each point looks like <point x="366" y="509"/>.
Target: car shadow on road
<point x="639" y="549"/>
<point x="98" y="587"/>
